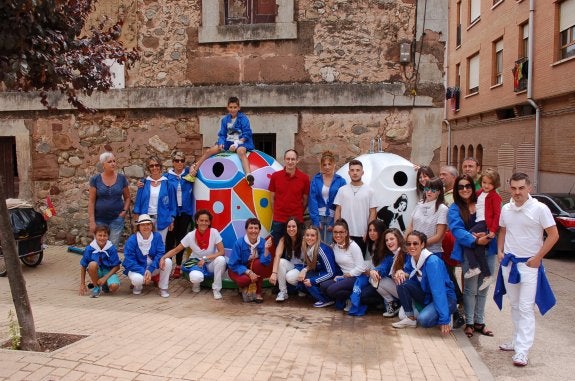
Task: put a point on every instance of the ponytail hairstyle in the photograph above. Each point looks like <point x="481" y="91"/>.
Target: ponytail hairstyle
<point x="436" y="184"/>
<point x="343" y="223"/>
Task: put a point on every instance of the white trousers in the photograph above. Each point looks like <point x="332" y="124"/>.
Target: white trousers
<point x="217" y="266"/>
<point x="287" y="273"/>
<point x="522" y="300"/>
<point x="387" y="289"/>
<point x="137" y="279"/>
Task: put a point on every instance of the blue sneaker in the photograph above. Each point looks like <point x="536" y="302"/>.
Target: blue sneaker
<point x="96" y="292"/>
<point x="320" y="304"/>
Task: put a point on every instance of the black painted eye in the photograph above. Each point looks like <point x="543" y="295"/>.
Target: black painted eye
<point x="400" y="178"/>
<point x="218" y="168"/>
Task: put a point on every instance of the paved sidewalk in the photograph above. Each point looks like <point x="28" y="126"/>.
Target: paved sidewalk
<point x="194" y="337"/>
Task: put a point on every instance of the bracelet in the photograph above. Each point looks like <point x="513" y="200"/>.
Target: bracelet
<point x="275" y="272"/>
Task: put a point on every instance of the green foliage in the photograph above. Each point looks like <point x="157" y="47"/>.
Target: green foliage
<point x="13" y="331"/>
<point x="41" y="48"/>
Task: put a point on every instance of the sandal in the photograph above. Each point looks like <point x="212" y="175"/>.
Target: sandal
<point x="482" y="330"/>
<point x="469" y="329"/>
<point x="259" y="299"/>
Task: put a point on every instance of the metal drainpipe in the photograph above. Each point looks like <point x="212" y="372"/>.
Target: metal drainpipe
<point x="530" y="97"/>
<point x="446" y="107"/>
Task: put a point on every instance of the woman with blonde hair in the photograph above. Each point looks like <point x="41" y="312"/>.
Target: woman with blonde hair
<point x="319" y="267"/>
<point x="323" y="188"/>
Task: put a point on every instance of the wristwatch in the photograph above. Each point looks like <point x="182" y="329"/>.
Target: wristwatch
<point x="205" y="259"/>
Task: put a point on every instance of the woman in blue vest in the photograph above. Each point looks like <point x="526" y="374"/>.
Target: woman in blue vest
<point x="323" y="188"/>
<point x="157" y="198"/>
<point x="185" y="209"/>
<point x="142" y="254"/>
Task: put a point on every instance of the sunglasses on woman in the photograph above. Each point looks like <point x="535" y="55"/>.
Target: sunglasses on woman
<point x="464" y="186"/>
<point x="428" y="189"/>
<point x="178" y="160"/>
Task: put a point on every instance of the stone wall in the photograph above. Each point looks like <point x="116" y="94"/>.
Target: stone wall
<point x="345" y="41"/>
<point x="66" y="151"/>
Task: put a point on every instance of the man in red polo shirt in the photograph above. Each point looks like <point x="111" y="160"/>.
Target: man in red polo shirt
<point x="289" y="190"/>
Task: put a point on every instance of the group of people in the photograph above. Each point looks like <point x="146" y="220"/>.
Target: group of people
<point x="346" y="256"/>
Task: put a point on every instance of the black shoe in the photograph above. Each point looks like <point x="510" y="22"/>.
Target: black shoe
<point x="458" y="320"/>
<point x="250" y="179"/>
<point x="105" y="288"/>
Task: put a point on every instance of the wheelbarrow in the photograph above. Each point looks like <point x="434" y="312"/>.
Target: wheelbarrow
<point x="28" y="227"/>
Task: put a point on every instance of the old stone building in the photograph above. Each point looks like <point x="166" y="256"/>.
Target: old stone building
<point x="314" y="75"/>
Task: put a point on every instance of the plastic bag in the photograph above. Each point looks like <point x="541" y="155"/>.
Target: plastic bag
<point x="26" y="222"/>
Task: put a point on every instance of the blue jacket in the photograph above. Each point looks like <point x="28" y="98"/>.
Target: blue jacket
<point x="167" y="203"/>
<point x="463" y="238"/>
<point x="242" y="125"/>
<point x="135" y="261"/>
<point x="187" y="188"/>
<point x="107" y="257"/>
<point x="326" y="267"/>
<point x="438" y="287"/>
<point x="385" y="266"/>
<point x="241" y="252"/>
<point x="315" y="200"/>
<point x="544" y="297"/>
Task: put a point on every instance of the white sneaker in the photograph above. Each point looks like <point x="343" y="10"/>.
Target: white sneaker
<point x="301" y="294"/>
<point x="471" y="273"/>
<point x="282" y="295"/>
<point x="520" y="359"/>
<point x="196" y="287"/>
<point x="164" y="293"/>
<point x="217" y="294"/>
<point x="507" y="347"/>
<point x="486" y="282"/>
<point x="347" y="305"/>
<point x="405" y="323"/>
<point x="137" y="290"/>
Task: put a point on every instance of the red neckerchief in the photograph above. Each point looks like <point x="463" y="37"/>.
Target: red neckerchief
<point x="203" y="240"/>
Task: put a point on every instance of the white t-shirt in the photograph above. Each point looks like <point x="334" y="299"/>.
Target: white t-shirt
<point x="355" y="204"/>
<point x="322" y="210"/>
<point x="524" y="227"/>
<point x="154" y="195"/>
<point x="190" y="241"/>
<point x="350" y="261"/>
<point x="480" y="207"/>
<point x="425" y="219"/>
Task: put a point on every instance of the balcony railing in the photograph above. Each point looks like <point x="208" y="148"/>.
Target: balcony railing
<point x="520" y="74"/>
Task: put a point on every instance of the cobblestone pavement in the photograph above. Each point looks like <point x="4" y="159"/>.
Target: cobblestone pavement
<point x="194" y="337"/>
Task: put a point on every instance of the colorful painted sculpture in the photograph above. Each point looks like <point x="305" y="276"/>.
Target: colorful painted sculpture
<point x="221" y="188"/>
<point x="394" y="180"/>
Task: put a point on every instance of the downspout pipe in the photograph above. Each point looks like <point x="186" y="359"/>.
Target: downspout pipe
<point x="446" y="107"/>
<point x="530" y="99"/>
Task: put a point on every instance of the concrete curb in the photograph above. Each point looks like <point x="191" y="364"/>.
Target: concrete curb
<point x="481" y="370"/>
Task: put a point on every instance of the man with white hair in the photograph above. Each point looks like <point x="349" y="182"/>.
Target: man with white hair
<point x="447" y="174"/>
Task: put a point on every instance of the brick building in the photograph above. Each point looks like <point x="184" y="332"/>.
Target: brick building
<point x="515" y="110"/>
<point x="314" y="75"/>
